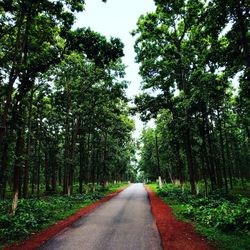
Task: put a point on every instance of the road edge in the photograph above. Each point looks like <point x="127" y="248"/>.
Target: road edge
<point x="163" y="216"/>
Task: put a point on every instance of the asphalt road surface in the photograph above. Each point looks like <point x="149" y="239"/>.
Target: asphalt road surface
<point x="123" y="223"/>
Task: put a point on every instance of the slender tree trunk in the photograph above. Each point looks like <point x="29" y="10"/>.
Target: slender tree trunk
<point x="105" y="159"/>
<point x="188" y="149"/>
<point x="157" y="155"/>
<point x="204" y="171"/>
<point x="180" y="165"/>
<point x="82" y="161"/>
<point x="3" y="170"/>
<point x="17" y="169"/>
<point x="66" y="184"/>
<point x="204" y="132"/>
<point x="88" y="163"/>
<point x="53" y="158"/>
<point x="27" y="153"/>
<point x="229" y="160"/>
<point x="47" y="170"/>
<point x="66" y="159"/>
<point x="38" y="169"/>
<point x="34" y="168"/>
<point x="93" y="165"/>
<point x="187" y="132"/>
<point x="39" y="160"/>
<point x="212" y="160"/>
<point x="223" y="155"/>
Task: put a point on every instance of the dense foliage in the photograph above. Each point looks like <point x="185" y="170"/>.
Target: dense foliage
<point x="63" y="108"/>
<point x="192" y="56"/>
<point x="219" y="210"/>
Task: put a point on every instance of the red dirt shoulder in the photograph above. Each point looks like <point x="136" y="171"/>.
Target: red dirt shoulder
<point x="176" y="235"/>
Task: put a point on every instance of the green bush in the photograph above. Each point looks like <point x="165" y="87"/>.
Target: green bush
<point x="218" y="210"/>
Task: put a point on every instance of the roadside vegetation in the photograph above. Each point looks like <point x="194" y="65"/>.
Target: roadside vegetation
<point x="224" y="218"/>
<point x="35" y="214"/>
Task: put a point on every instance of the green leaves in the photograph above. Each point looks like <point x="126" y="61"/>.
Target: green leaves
<point x="214" y="211"/>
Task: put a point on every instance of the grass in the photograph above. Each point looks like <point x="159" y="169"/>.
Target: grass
<point x="230" y="240"/>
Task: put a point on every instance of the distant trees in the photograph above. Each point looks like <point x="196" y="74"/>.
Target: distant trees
<point x="189" y="52"/>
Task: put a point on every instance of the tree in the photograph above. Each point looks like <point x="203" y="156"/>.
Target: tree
<point x="180" y="50"/>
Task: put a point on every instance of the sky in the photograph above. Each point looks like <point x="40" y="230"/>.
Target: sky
<point x="117" y="18"/>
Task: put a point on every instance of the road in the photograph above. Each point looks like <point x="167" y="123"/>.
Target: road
<point x="123" y="223"/>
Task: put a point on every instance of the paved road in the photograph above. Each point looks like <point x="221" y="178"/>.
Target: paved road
<point x="123" y="223"/>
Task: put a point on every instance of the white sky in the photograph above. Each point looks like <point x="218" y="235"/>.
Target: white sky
<point x="117" y="18"/>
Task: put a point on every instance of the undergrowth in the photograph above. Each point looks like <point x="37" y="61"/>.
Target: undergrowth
<point x="222" y="218"/>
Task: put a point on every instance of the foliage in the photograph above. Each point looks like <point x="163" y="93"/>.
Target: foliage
<point x="189" y="52"/>
<point x="64" y="115"/>
<point x="221" y="217"/>
<point x="225" y="212"/>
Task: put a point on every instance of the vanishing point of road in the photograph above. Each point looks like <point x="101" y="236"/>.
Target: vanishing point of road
<point x="123" y="223"/>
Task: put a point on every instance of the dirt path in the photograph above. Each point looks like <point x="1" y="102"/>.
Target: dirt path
<point x="176" y="235"/>
<point x="123" y="223"/>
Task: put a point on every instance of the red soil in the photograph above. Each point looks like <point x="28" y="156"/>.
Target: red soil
<point x="39" y="238"/>
<point x="176" y="235"/>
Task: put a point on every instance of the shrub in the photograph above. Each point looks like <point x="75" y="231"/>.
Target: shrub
<point x="218" y="210"/>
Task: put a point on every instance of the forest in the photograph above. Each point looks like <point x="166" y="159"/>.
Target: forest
<point x="195" y="63"/>
<point x="64" y="114"/>
<point x="66" y="123"/>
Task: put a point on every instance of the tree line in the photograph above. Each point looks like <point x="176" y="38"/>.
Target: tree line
<point x="191" y="53"/>
<point x="64" y="112"/>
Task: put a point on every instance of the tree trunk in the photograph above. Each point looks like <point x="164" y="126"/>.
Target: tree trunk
<point x="47" y="170"/>
<point x="38" y="168"/>
<point x="27" y="153"/>
<point x="229" y="160"/>
<point x="223" y="155"/>
<point x="3" y="170"/>
<point x="34" y="168"/>
<point x="93" y="165"/>
<point x="105" y="159"/>
<point x="66" y="184"/>
<point x="180" y="165"/>
<point x="53" y="159"/>
<point x="82" y="161"/>
<point x="66" y="159"/>
<point x="75" y="126"/>
<point x="17" y="169"/>
<point x="157" y="156"/>
<point x="88" y="163"/>
<point x="187" y="132"/>
<point x="188" y="149"/>
<point x="212" y="160"/>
